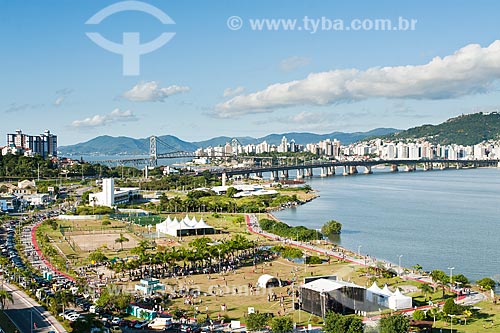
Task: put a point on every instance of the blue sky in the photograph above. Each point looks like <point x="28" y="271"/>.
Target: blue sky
<point x="55" y="77"/>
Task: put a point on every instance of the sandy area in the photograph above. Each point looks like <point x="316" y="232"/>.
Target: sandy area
<point x="90" y="242"/>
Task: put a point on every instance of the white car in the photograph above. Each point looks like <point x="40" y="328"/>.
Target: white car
<point x="72" y="316"/>
<point x="115" y="321"/>
<point x="66" y="312"/>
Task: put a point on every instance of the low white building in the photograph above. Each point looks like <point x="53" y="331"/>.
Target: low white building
<point x="111" y="196"/>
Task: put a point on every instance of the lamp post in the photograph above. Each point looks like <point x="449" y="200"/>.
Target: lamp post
<point x="219" y="260"/>
<point x="400" y="256"/>
<point x="451" y="322"/>
<point x="451" y="276"/>
<point x="359" y="250"/>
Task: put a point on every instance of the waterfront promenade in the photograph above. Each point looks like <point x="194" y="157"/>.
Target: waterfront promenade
<point x="364" y="261"/>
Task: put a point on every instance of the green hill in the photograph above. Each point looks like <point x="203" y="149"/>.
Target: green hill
<point x="467" y="129"/>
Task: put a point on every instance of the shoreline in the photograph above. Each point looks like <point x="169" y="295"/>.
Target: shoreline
<point x="346" y="255"/>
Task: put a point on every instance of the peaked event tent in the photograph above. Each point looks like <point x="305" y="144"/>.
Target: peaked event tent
<point x="184" y="227"/>
<point x="384" y="297"/>
<point x="398" y="301"/>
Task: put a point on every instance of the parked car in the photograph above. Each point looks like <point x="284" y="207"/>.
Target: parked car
<point x="66" y="312"/>
<point x="116" y="321"/>
<point x="73" y="316"/>
<point x="140" y="325"/>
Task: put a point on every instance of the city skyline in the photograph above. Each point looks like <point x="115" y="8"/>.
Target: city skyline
<point x="213" y="80"/>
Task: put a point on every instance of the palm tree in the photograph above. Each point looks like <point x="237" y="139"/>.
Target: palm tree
<point x="425" y="288"/>
<point x="120" y="240"/>
<point x="63" y="298"/>
<point x="4" y="297"/>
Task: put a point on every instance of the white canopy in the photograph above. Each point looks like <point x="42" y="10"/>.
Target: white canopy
<point x="375" y="289"/>
<point x="386" y="291"/>
<point x="182" y="227"/>
<point x="266" y="280"/>
<point x="399" y="301"/>
<point x="202" y="225"/>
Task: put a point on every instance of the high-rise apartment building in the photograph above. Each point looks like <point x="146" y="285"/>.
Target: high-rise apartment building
<point x="44" y="144"/>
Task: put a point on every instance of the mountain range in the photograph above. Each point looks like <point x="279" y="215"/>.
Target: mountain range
<point x="109" y="145"/>
<point x="466" y="129"/>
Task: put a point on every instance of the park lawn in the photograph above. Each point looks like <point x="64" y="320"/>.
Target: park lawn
<point x="237" y="304"/>
<point x="488" y="320"/>
<point x="302" y="194"/>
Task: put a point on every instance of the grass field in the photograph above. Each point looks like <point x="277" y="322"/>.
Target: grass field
<point x="238" y="303"/>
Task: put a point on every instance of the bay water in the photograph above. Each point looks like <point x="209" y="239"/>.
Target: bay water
<point x="437" y="219"/>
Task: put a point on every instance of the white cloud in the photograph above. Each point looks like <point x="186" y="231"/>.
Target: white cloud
<point x="232" y="92"/>
<point x="61" y="96"/>
<point x="116" y="116"/>
<point x="59" y="101"/>
<point x="293" y="63"/>
<point x="152" y="92"/>
<point x="15" y="108"/>
<point x="470" y="70"/>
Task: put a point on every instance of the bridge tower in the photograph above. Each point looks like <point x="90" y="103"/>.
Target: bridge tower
<point x="153" y="155"/>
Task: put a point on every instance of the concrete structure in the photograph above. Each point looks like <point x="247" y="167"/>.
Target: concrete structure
<point x="111" y="196"/>
<point x="149" y="286"/>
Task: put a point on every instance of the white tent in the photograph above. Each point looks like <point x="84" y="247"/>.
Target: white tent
<point x="377" y="295"/>
<point x="386" y="291"/>
<point x="399" y="301"/>
<point x="202" y="224"/>
<point x="185" y="226"/>
<point x="375" y="289"/>
<point x="267" y="280"/>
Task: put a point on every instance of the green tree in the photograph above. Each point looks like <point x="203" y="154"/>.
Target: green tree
<point x="486" y="283"/>
<point x="426" y="289"/>
<point x="231" y="191"/>
<point x="450" y="308"/>
<point x="257" y="321"/>
<point x="337" y="323"/>
<point x="282" y="324"/>
<point x="239" y="220"/>
<point x="419" y="315"/>
<point x="439" y="276"/>
<point x="120" y="240"/>
<point x="461" y="279"/>
<point x="394" y="324"/>
<point x="331" y="228"/>
<point x="63" y="298"/>
<point x="97" y="256"/>
<point x="5" y="297"/>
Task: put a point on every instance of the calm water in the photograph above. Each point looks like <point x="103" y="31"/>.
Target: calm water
<point x="438" y="219"/>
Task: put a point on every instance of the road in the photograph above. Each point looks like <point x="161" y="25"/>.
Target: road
<point x="26" y="311"/>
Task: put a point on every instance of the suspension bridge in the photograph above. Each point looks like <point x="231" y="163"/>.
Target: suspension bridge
<point x="153" y="157"/>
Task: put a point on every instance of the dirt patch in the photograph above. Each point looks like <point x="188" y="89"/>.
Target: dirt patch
<point x="90" y="242"/>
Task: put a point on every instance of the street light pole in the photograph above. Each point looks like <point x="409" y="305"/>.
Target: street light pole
<point x="451" y="322"/>
<point x="451" y="276"/>
<point x="359" y="250"/>
<point x="400" y="256"/>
